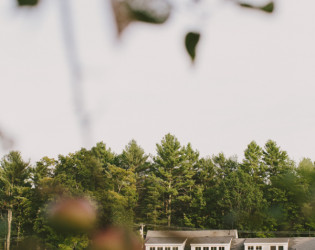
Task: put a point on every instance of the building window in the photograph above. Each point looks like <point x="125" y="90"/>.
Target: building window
<point x="167" y="248"/>
<point x="221" y="248"/>
<point x="250" y="248"/>
<point x="160" y="248"/>
<point x="213" y="248"/>
<point x="175" y="248"/>
<point x="198" y="248"/>
<point x="260" y="248"/>
<point x="273" y="248"/>
<point x="280" y="248"/>
<point x="205" y="248"/>
<point x="152" y="248"/>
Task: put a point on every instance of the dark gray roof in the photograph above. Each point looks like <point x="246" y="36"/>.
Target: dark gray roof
<point x="266" y="240"/>
<point x="211" y="240"/>
<point x="302" y="243"/>
<point x="237" y="244"/>
<point x="193" y="234"/>
<point x="165" y="240"/>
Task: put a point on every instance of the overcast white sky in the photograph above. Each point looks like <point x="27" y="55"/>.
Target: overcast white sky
<point x="254" y="79"/>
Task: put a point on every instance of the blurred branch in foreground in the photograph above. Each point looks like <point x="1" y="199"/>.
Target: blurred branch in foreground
<point x="6" y="141"/>
<point x="75" y="71"/>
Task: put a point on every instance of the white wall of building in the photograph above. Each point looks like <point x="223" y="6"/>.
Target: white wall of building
<point x="163" y="246"/>
<point x="266" y="246"/>
<point x="226" y="246"/>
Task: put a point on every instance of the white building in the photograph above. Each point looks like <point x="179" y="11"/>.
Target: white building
<point x="221" y="240"/>
<point x="192" y="240"/>
<point x="266" y="244"/>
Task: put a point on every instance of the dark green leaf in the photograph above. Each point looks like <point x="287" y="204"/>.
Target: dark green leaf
<point x="246" y="5"/>
<point x="145" y="17"/>
<point x="27" y="2"/>
<point x="191" y="41"/>
<point x="269" y="8"/>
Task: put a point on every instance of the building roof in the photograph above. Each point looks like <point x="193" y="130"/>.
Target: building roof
<point x="211" y="240"/>
<point x="165" y="240"/>
<point x="302" y="243"/>
<point x="266" y="240"/>
<point x="193" y="234"/>
<point x="237" y="244"/>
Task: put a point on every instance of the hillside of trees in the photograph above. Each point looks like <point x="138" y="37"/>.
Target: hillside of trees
<point x="264" y="193"/>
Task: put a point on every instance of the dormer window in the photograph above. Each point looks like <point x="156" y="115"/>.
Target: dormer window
<point x="266" y="244"/>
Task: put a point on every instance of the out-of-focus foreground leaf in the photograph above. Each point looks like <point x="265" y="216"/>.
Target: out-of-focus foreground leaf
<point x="122" y="15"/>
<point x="150" y="11"/>
<point x="27" y="2"/>
<point x="5" y="141"/>
<point x="114" y="238"/>
<point x="191" y="42"/>
<point x="269" y="8"/>
<point x="73" y="215"/>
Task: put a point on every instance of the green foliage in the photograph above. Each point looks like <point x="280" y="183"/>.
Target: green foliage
<point x="74" y="242"/>
<point x="149" y="205"/>
<point x="264" y="192"/>
<point x="168" y="168"/>
<point x="253" y="163"/>
<point x="133" y="157"/>
<point x="14" y="189"/>
<point x="3" y="226"/>
<point x="276" y="160"/>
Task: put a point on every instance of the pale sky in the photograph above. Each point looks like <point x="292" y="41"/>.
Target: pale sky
<point x="254" y="79"/>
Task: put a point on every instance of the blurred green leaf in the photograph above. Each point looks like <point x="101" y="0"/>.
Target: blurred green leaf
<point x="150" y="11"/>
<point x="191" y="42"/>
<point x="27" y="2"/>
<point x="269" y="8"/>
<point x="143" y="16"/>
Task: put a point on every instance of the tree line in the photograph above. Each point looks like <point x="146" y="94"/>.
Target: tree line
<point x="264" y="193"/>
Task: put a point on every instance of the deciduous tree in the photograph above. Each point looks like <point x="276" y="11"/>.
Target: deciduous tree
<point x="14" y="184"/>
